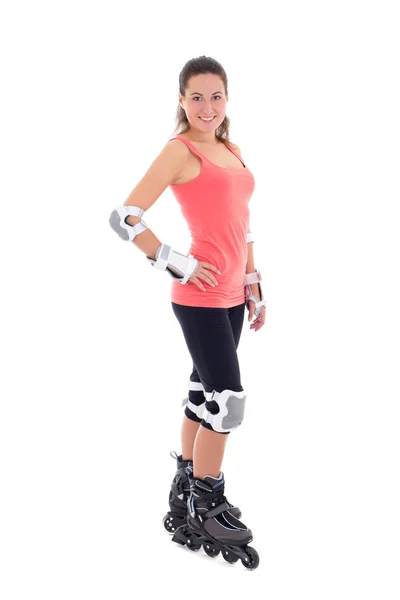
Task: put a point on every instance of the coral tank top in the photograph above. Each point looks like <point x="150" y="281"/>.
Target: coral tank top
<point x="215" y="205"/>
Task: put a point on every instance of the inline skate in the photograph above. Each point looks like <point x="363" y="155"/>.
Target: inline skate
<point x="211" y="524"/>
<point x="179" y="494"/>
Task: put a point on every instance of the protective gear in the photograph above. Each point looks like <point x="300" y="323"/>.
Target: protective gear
<point x="118" y="223"/>
<point x="224" y="410"/>
<point x="197" y="401"/>
<point x="250" y="278"/>
<point x="249" y="237"/>
<point x="178" y="265"/>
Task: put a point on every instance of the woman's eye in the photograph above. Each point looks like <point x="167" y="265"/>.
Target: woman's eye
<point x="194" y="97"/>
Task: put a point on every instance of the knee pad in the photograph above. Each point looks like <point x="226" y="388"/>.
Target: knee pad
<point x="224" y="410"/>
<point x="195" y="402"/>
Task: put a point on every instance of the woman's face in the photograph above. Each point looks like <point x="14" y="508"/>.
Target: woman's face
<point x="204" y="97"/>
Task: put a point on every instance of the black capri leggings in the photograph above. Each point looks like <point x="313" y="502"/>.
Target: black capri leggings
<point x="212" y="336"/>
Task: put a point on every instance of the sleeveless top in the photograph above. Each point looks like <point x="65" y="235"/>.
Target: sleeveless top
<point x="215" y="205"/>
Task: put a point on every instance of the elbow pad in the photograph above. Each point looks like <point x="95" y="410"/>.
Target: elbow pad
<point x="125" y="231"/>
<point x="179" y="266"/>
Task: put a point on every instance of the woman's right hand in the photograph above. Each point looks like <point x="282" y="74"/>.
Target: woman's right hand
<point x="203" y="272"/>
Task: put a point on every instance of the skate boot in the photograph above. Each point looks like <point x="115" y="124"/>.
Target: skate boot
<point x="211" y="524"/>
<point x="179" y="494"/>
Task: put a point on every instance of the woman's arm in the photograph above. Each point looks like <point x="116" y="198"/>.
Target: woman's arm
<point x="250" y="268"/>
<point x="161" y="173"/>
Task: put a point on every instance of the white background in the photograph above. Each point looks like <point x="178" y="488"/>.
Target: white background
<point x="94" y="364"/>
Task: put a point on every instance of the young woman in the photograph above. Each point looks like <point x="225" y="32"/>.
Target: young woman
<point x="212" y="284"/>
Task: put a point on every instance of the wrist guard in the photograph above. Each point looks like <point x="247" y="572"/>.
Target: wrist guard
<point x="179" y="266"/>
<point x="250" y="278"/>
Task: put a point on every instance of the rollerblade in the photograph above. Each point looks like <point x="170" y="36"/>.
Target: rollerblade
<point x="179" y="494"/>
<point x="211" y="524"/>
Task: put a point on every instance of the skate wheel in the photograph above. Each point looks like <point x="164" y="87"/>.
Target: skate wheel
<point x="168" y="523"/>
<point x="254" y="559"/>
<point x="192" y="545"/>
<point x="229" y="557"/>
<point x="210" y="549"/>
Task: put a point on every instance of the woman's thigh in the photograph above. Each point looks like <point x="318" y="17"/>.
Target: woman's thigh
<point x="212" y="336"/>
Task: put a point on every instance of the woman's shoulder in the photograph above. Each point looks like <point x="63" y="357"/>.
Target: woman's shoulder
<point x="235" y="147"/>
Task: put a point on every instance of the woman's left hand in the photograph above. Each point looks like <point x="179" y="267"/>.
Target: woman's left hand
<point x="260" y="320"/>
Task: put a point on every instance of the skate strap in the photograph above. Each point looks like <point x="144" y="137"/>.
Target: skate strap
<point x="216" y="511"/>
